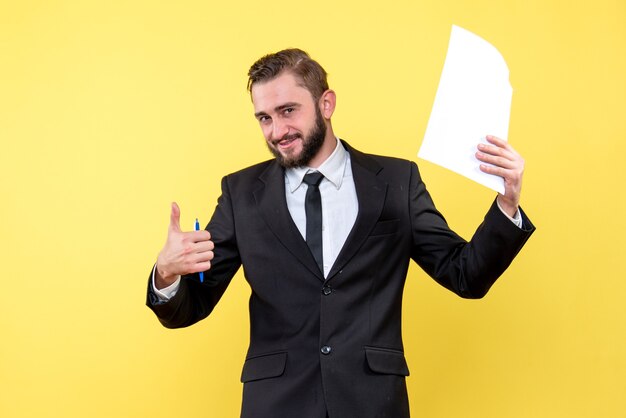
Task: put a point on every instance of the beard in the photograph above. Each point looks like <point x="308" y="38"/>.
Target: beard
<point x="311" y="144"/>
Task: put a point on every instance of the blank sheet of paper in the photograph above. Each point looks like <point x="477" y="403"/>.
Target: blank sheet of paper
<point x="473" y="100"/>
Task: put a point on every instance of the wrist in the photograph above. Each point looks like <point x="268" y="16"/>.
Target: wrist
<point x="507" y="207"/>
<point x="162" y="279"/>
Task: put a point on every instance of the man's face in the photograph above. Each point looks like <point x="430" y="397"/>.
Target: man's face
<point x="290" y="120"/>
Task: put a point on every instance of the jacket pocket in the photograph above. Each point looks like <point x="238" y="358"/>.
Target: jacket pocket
<point x="264" y="367"/>
<point x="386" y="361"/>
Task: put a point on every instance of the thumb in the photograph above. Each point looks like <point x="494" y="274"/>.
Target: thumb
<point x="175" y="218"/>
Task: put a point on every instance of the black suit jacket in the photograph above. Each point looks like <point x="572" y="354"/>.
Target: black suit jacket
<point x="334" y="346"/>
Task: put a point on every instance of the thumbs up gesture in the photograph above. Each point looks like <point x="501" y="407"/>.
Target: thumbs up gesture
<point x="183" y="252"/>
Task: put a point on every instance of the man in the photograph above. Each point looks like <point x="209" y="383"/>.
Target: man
<point x="325" y="308"/>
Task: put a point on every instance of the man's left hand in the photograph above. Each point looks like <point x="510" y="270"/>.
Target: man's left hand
<point x="502" y="160"/>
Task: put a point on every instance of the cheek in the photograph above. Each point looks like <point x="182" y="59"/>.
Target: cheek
<point x="267" y="132"/>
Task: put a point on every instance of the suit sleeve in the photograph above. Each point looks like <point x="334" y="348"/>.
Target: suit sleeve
<point x="467" y="268"/>
<point x="194" y="301"/>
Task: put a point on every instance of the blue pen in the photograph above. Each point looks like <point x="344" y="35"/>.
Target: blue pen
<point x="197" y="227"/>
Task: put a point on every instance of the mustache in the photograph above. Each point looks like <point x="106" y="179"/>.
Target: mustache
<point x="287" y="138"/>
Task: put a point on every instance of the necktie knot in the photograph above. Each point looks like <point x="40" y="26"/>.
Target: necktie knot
<point x="313" y="179"/>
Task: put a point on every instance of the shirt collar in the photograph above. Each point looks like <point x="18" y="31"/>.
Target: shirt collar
<point x="332" y="169"/>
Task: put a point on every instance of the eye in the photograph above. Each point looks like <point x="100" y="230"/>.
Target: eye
<point x="264" y="119"/>
<point x="289" y="110"/>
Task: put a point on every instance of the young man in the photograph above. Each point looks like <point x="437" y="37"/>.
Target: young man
<point x="326" y="255"/>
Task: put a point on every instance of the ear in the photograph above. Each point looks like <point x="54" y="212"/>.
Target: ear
<point x="327" y="103"/>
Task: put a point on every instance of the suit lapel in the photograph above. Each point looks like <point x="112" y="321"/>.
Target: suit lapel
<point x="371" y="192"/>
<point x="270" y="199"/>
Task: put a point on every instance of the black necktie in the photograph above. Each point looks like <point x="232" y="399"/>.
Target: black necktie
<point x="313" y="210"/>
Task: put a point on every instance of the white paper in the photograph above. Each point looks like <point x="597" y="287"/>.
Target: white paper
<point x="473" y="100"/>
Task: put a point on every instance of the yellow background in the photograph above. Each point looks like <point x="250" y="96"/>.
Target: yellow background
<point x="110" y="110"/>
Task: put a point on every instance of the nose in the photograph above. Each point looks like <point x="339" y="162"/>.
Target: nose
<point x="279" y="129"/>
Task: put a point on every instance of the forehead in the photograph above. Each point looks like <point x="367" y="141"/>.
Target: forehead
<point x="283" y="89"/>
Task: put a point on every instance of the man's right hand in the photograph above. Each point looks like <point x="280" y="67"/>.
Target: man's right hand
<point x="183" y="252"/>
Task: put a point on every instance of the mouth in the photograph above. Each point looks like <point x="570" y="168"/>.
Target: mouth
<point x="286" y="141"/>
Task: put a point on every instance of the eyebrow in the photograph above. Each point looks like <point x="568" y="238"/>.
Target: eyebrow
<point x="277" y="109"/>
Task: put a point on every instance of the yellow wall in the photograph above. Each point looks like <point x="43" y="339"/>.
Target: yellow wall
<point x="110" y="110"/>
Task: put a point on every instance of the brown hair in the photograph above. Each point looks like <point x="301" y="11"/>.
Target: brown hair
<point x="310" y="74"/>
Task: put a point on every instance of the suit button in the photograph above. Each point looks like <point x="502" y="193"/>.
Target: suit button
<point x="327" y="290"/>
<point x="326" y="350"/>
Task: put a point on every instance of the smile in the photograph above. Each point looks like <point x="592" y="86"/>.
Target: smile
<point x="286" y="141"/>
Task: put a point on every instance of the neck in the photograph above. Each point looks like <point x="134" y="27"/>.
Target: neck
<point x="330" y="143"/>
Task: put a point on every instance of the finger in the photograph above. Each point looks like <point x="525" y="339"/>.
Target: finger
<point x="175" y="218"/>
<point x="203" y="246"/>
<point x="500" y="145"/>
<point x="507" y="174"/>
<point x="503" y="145"/>
<point x="496" y="160"/>
<point x="198" y="267"/>
<point x="496" y="171"/>
<point x="498" y="151"/>
<point x="202" y="257"/>
<point x="199" y="236"/>
<point x="512" y="178"/>
<point x="496" y="141"/>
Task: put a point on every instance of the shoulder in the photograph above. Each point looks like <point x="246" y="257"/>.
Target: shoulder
<point x="367" y="158"/>
<point x="253" y="171"/>
<point x="381" y="164"/>
<point x="388" y="161"/>
<point x="252" y="176"/>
